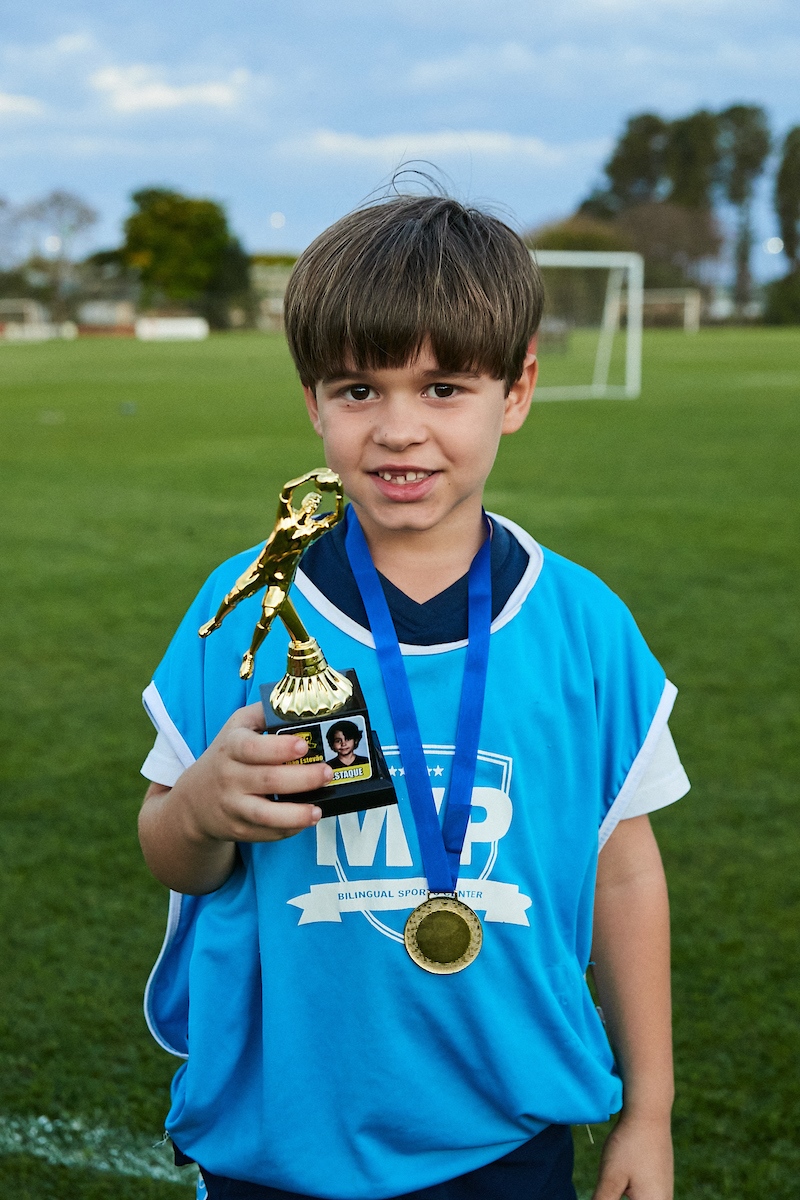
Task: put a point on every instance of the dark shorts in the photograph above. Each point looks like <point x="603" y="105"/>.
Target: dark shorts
<point x="541" y="1169"/>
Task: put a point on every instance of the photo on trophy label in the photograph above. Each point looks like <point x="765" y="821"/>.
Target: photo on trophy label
<point x="343" y="744"/>
<point x="347" y="748"/>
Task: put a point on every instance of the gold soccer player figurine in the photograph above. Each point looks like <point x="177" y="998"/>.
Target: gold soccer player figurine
<point x="310" y="687"/>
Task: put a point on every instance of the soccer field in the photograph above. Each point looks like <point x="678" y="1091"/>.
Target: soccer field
<point x="130" y="470"/>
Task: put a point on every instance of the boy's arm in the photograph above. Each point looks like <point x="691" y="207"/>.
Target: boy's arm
<point x="189" y="832"/>
<point x="632" y="972"/>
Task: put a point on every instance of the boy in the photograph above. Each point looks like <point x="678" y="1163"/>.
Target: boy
<point x="344" y="738"/>
<point x="321" y="1060"/>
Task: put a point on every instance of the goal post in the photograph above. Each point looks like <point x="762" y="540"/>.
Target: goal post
<point x="596" y="320"/>
<point x="687" y="301"/>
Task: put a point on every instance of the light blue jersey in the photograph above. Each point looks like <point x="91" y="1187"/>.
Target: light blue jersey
<point x="321" y="1059"/>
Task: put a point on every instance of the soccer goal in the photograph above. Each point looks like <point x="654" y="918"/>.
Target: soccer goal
<point x="590" y="339"/>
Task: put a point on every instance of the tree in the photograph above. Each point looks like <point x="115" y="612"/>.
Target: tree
<point x="691" y="160"/>
<point x="58" y="218"/>
<point x="185" y="252"/>
<point x="663" y="178"/>
<point x="55" y="222"/>
<point x="673" y="240"/>
<point x="635" y="171"/>
<point x="577" y="233"/>
<point x="659" y="193"/>
<point x="230" y="285"/>
<point x="636" y="168"/>
<point x="783" y="295"/>
<point x="657" y="160"/>
<point x="744" y="143"/>
<point x="787" y="197"/>
<point x="783" y="300"/>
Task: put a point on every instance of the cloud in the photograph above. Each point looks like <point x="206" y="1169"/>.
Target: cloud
<point x="74" y="43"/>
<point x="476" y="63"/>
<point x="141" y="88"/>
<point x="396" y="147"/>
<point x="19" y="104"/>
<point x="47" y="56"/>
<point x="658" y="73"/>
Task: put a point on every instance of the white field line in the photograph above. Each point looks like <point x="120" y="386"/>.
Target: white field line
<point x="71" y="1143"/>
<point x="67" y="1143"/>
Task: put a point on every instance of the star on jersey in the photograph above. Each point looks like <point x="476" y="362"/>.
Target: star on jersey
<point x="437" y="771"/>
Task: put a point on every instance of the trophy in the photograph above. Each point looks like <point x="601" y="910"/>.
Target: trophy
<point x="313" y="701"/>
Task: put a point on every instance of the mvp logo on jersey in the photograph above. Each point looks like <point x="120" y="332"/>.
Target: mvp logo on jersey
<point x="369" y="850"/>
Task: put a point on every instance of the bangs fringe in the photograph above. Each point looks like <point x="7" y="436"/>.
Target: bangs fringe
<point x="383" y="281"/>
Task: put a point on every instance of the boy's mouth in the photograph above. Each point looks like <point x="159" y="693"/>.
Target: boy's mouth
<point x="404" y="483"/>
<point x="403" y="476"/>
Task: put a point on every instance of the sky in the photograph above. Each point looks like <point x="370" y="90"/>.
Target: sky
<point x="292" y="112"/>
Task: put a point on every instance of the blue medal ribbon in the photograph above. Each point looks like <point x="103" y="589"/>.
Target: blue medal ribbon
<point x="440" y="845"/>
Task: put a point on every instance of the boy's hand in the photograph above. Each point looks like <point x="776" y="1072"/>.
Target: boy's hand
<point x="637" y="1161"/>
<point x="223" y="793"/>
<point x="188" y="832"/>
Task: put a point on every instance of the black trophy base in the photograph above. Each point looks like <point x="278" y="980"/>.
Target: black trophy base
<point x="361" y="783"/>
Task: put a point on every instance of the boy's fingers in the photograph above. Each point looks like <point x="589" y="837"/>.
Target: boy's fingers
<point x="289" y="780"/>
<point x="249" y="717"/>
<point x="262" y="750"/>
<point x="612" y="1183"/>
<point x="286" y="817"/>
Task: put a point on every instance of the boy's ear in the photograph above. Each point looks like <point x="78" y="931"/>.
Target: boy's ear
<point x="313" y="408"/>
<point x="520" y="394"/>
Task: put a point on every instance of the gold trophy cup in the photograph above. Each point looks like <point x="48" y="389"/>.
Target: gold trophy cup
<point x="310" y="687"/>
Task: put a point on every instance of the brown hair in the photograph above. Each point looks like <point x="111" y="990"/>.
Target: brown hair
<point x="384" y="279"/>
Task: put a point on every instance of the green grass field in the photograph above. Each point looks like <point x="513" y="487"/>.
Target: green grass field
<point x="129" y="470"/>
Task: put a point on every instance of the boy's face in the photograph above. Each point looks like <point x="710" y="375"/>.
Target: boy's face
<point x="414" y="445"/>
<point x="342" y="744"/>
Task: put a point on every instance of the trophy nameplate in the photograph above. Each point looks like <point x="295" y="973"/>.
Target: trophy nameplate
<point x="359" y="784"/>
<point x="312" y="697"/>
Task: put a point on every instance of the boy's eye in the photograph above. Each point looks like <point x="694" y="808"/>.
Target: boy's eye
<point x="358" y="391"/>
<point x="442" y="391"/>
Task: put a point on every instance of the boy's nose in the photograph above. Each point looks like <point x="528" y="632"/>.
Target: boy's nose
<point x="399" y="425"/>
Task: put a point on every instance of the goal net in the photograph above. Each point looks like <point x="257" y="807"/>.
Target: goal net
<point x="590" y="339"/>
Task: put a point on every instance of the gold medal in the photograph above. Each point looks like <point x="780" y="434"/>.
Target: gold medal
<point x="443" y="935"/>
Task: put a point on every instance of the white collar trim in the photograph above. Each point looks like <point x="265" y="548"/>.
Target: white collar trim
<point x="512" y="606"/>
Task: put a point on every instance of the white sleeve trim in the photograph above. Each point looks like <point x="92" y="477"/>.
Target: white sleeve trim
<point x="634" y="777"/>
<point x="157" y="712"/>
<point x="663" y="782"/>
<point x="173" y="918"/>
<point x="162" y="764"/>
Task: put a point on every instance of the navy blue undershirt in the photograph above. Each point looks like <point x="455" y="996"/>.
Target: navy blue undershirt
<point x="441" y="619"/>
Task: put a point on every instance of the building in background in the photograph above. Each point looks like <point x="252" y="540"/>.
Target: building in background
<point x="269" y="275"/>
